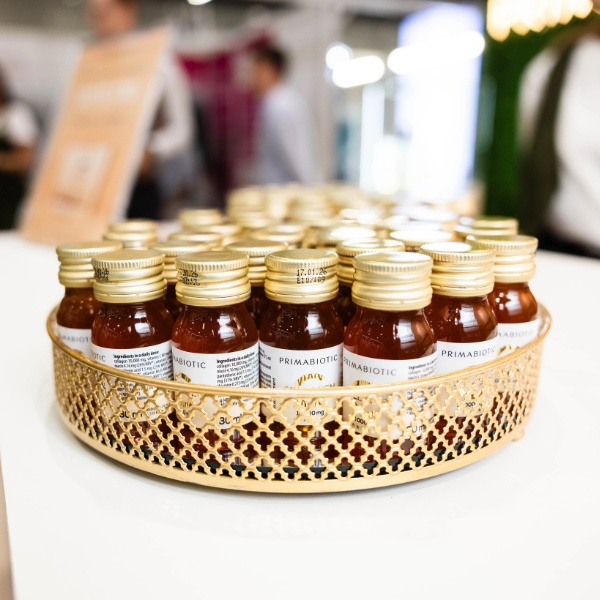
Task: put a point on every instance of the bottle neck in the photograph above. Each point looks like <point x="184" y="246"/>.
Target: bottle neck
<point x="129" y="307"/>
<point x="212" y="311"/>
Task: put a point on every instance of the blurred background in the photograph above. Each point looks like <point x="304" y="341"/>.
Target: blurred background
<point x="491" y="103"/>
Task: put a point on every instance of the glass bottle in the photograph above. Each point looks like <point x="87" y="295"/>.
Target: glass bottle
<point x="78" y="308"/>
<point x="257" y="250"/>
<point x="215" y="340"/>
<point x="171" y="250"/>
<point x="132" y="330"/>
<point x="301" y="336"/>
<point x="460" y="314"/>
<point x="212" y="239"/>
<point x="389" y="339"/>
<point x="513" y="303"/>
<point x="291" y="234"/>
<point x="413" y="239"/>
<point x="346" y="252"/>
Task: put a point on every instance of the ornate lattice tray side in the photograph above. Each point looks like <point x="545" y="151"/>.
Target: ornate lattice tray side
<point x="294" y="441"/>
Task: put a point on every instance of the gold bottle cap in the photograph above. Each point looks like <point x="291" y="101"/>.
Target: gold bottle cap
<point x="415" y="238"/>
<point x="75" y="259"/>
<point x="129" y="276"/>
<point x="491" y="222"/>
<point x="462" y="231"/>
<point x="290" y="233"/>
<point x="231" y="232"/>
<point x="171" y="250"/>
<point x="257" y="250"/>
<point x="460" y="270"/>
<point x="213" y="239"/>
<point x="332" y="236"/>
<point x="396" y="281"/>
<point x="133" y="226"/>
<point x="514" y="262"/>
<point x="216" y="278"/>
<point x="132" y="240"/>
<point x="351" y="248"/>
<point x="422" y="225"/>
<point x="196" y="217"/>
<point x="303" y="276"/>
<point x="253" y="220"/>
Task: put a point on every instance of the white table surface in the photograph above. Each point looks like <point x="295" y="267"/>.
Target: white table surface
<point x="523" y="523"/>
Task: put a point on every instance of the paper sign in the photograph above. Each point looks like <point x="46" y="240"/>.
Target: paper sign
<point x="91" y="162"/>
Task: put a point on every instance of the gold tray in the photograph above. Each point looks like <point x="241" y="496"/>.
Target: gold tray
<point x="298" y="441"/>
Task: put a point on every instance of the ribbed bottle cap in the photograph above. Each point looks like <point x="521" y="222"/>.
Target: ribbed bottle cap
<point x="462" y="231"/>
<point x="438" y="215"/>
<point x="514" y="262"/>
<point x="301" y="276"/>
<point x="491" y="222"/>
<point x="75" y="259"/>
<point x="329" y="238"/>
<point x="397" y="281"/>
<point x="394" y="223"/>
<point x="290" y="233"/>
<point x="253" y="220"/>
<point x="460" y="270"/>
<point x="415" y="238"/>
<point x="351" y="248"/>
<point x="133" y="226"/>
<point x="216" y="278"/>
<point x="129" y="276"/>
<point x="231" y="232"/>
<point x="213" y="239"/>
<point x="171" y="250"/>
<point x="196" y="217"/>
<point x="132" y="240"/>
<point x="256" y="251"/>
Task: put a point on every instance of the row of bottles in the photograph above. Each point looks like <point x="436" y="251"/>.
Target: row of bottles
<point x="386" y="315"/>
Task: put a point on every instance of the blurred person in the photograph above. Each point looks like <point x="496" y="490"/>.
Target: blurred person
<point x="560" y="137"/>
<point x="167" y="165"/>
<point x="285" y="144"/>
<point x="19" y="135"/>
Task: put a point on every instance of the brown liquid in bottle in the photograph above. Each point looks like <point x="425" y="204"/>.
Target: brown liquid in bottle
<point x="208" y="330"/>
<point x="513" y="303"/>
<point x="78" y="308"/>
<point x="134" y="325"/>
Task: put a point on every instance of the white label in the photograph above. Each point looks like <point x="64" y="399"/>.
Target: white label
<point x="234" y="369"/>
<point x="300" y="369"/>
<point x="76" y="339"/>
<point x="516" y="335"/>
<point x="454" y="357"/>
<point x="360" y="370"/>
<point x="151" y="361"/>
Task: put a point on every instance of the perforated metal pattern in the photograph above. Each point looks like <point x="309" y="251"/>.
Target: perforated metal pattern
<point x="298" y="440"/>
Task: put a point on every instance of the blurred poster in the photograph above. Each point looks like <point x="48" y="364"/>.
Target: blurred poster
<point x="91" y="161"/>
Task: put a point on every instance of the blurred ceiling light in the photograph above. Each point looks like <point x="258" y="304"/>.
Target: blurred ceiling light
<point x="419" y="57"/>
<point x="358" y="71"/>
<point x="522" y="16"/>
<point x="337" y="53"/>
<point x="198" y="2"/>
